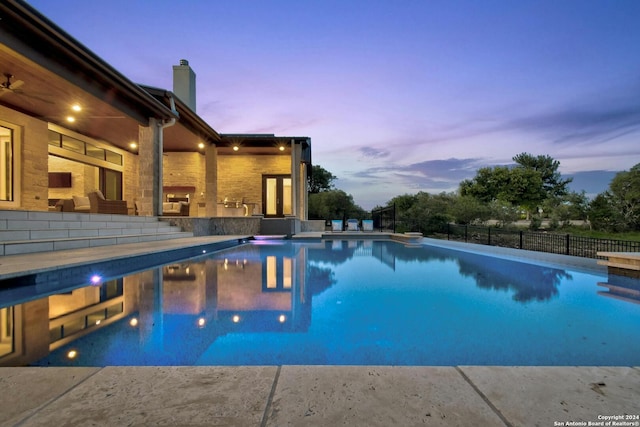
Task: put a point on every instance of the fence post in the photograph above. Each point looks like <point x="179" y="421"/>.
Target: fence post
<point x="520" y="239"/>
<point x="448" y="231"/>
<point x="567" y="244"/>
<point x="465" y="233"/>
<point x="489" y="233"/>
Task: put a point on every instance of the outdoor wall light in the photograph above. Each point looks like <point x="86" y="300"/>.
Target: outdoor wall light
<point x="235" y="318"/>
<point x="201" y="322"/>
<point x="96" y="279"/>
<point x="281" y="148"/>
<point x="236" y="148"/>
<point x="282" y="318"/>
<point x="133" y="145"/>
<point x="201" y="145"/>
<point x="72" y="354"/>
<point x="133" y="322"/>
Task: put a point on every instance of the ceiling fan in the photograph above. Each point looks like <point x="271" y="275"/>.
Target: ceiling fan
<point x="8" y="86"/>
<point x="15" y="87"/>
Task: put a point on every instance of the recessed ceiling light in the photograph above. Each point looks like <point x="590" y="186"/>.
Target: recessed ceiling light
<point x="281" y="148"/>
<point x="71" y="119"/>
<point x="76" y="107"/>
<point x="201" y="145"/>
<point x="236" y="148"/>
<point x="133" y="145"/>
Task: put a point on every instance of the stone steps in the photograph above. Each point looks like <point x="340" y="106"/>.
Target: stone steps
<point x="24" y="232"/>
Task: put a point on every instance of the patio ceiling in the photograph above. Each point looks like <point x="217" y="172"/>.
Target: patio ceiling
<point x="50" y="72"/>
<point x="46" y="96"/>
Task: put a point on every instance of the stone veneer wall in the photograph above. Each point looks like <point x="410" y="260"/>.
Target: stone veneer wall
<point x="240" y="176"/>
<point x="185" y="170"/>
<point x="130" y="178"/>
<point x="34" y="169"/>
<point x="217" y="226"/>
<point x="312" y="225"/>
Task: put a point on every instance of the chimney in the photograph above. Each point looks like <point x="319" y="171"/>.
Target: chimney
<point x="184" y="83"/>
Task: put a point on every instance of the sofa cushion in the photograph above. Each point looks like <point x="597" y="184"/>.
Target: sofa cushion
<point x="171" y="207"/>
<point x="81" y="202"/>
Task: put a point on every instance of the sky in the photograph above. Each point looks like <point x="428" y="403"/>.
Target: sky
<point x="396" y="96"/>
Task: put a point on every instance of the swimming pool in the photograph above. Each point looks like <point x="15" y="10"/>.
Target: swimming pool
<point x="351" y="302"/>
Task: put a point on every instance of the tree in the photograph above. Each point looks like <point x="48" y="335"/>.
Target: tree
<point x="547" y="167"/>
<point x="422" y="212"/>
<point x="334" y="204"/>
<point x="487" y="183"/>
<point x="320" y="180"/>
<point x="624" y="192"/>
<point x="468" y="210"/>
<point x="518" y="186"/>
<point x="504" y="212"/>
<point x="602" y="214"/>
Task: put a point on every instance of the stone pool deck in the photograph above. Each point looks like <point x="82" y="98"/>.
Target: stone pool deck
<point x="308" y="395"/>
<point x="317" y="396"/>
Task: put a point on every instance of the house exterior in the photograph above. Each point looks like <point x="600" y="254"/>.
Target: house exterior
<point x="70" y="123"/>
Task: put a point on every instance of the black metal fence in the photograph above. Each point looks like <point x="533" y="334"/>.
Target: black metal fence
<point x="384" y="219"/>
<point x="540" y="241"/>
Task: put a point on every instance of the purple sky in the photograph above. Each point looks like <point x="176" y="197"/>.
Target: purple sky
<point x="397" y="96"/>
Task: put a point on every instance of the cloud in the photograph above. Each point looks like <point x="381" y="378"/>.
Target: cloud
<point x="597" y="118"/>
<point x="451" y="169"/>
<point x="592" y="126"/>
<point x="438" y="175"/>
<point x="373" y="152"/>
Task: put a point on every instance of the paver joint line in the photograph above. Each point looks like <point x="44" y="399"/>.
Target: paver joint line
<point x="484" y="398"/>
<point x="267" y="407"/>
<point x="34" y="411"/>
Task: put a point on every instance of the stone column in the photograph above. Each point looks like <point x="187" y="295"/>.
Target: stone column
<point x="304" y="196"/>
<point x="150" y="168"/>
<point x="211" y="180"/>
<point x="295" y="177"/>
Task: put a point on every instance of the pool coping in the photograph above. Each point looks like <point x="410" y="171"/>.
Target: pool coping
<point x="50" y="264"/>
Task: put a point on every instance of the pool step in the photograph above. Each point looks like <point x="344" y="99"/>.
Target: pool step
<point x="24" y="232"/>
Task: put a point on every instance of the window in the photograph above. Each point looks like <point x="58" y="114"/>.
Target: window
<point x="6" y="163"/>
<point x="81" y="147"/>
<point x="10" y="139"/>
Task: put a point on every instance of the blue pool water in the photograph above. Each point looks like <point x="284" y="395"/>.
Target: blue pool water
<point x="348" y="303"/>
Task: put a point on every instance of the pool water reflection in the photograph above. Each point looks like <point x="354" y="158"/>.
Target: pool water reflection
<point x="333" y="302"/>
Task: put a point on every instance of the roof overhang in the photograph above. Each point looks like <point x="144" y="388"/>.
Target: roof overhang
<point x="57" y="71"/>
<point x="250" y="143"/>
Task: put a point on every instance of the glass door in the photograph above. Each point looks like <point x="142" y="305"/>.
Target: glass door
<point x="111" y="184"/>
<point x="277" y="192"/>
